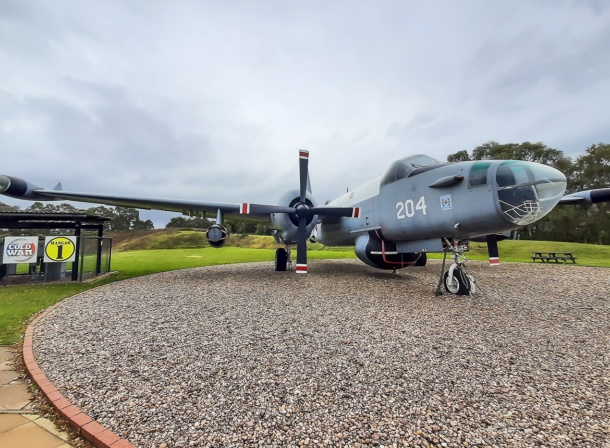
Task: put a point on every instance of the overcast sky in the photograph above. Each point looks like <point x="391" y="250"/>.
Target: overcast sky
<point x="211" y="100"/>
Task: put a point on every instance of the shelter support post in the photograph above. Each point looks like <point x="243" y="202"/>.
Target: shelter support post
<point x="77" y="233"/>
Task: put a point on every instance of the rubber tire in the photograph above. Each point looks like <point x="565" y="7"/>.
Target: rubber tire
<point x="421" y="261"/>
<point x="461" y="283"/>
<point x="281" y="259"/>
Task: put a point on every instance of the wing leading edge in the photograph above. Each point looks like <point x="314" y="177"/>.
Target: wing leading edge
<point x="188" y="207"/>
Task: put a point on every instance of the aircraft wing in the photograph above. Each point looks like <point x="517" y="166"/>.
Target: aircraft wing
<point x="173" y="205"/>
<point x="587" y="197"/>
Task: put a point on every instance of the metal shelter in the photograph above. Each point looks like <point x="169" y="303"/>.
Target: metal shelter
<point x="74" y="221"/>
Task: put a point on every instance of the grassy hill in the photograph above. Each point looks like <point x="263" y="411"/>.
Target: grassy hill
<point x="193" y="239"/>
<point x="510" y="250"/>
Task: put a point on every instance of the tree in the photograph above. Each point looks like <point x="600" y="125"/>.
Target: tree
<point x="460" y="156"/>
<point x="531" y="152"/>
<point x="49" y="207"/>
<point x="8" y="208"/>
<point x="181" y="222"/>
<point x="122" y="218"/>
<point x="592" y="170"/>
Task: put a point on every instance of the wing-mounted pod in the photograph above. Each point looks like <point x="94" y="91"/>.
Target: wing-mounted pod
<point x="217" y="233"/>
<point x="587" y="197"/>
<point x="373" y="250"/>
<point x="20" y="189"/>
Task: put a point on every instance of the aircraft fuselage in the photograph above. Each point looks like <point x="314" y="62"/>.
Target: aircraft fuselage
<point x="412" y="204"/>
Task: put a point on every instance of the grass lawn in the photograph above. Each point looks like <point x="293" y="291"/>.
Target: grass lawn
<point x="522" y="251"/>
<point x="19" y="303"/>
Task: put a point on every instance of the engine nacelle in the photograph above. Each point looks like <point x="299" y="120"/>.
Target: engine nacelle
<point x="20" y="189"/>
<point x="288" y="225"/>
<point x="217" y="235"/>
<point x="381" y="254"/>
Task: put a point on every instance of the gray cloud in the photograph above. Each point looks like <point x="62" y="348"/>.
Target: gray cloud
<point x="212" y="100"/>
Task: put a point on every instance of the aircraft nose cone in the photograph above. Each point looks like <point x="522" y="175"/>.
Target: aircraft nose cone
<point x="527" y="191"/>
<point x="5" y="183"/>
<point x="550" y="184"/>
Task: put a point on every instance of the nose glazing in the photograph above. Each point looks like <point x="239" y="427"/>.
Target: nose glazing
<point x="527" y="191"/>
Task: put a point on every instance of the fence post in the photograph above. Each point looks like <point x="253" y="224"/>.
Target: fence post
<point x="98" y="260"/>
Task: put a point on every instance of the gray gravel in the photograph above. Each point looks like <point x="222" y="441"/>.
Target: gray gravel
<point x="347" y="355"/>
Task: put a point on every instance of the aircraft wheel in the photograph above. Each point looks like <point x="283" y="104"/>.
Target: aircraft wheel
<point x="281" y="258"/>
<point x="421" y="261"/>
<point x="460" y="284"/>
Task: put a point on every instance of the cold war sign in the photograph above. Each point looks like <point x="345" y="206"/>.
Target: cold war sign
<point x="20" y="249"/>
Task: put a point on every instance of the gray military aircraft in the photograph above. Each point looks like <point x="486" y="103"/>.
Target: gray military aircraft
<point x="418" y="205"/>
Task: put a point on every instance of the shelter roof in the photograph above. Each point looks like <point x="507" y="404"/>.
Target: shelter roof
<point x="28" y="219"/>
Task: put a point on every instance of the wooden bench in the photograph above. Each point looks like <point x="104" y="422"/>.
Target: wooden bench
<point x="553" y="256"/>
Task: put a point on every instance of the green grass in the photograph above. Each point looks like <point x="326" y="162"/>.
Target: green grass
<point x="522" y="251"/>
<point x="19" y="303"/>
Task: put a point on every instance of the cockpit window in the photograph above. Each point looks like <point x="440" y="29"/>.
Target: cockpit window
<point x="404" y="167"/>
<point x="478" y="174"/>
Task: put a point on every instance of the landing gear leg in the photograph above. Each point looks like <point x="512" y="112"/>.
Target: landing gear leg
<point x="281" y="259"/>
<point x="289" y="258"/>
<point x="456" y="279"/>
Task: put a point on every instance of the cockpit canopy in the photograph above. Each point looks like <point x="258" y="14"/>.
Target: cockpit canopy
<point x="408" y="167"/>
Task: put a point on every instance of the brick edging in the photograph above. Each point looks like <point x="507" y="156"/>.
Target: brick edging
<point x="97" y="434"/>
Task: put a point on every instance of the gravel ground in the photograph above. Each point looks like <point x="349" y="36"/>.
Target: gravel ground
<point x="347" y="355"/>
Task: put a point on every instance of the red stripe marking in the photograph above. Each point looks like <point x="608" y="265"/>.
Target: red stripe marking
<point x="301" y="268"/>
<point x="304" y="154"/>
<point x="494" y="261"/>
<point x="245" y="208"/>
<point x="356" y="213"/>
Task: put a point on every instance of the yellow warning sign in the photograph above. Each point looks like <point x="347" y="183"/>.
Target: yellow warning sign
<point x="59" y="248"/>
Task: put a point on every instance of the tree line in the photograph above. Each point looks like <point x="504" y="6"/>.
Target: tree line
<point x="121" y="218"/>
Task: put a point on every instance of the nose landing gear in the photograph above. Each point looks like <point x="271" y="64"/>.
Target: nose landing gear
<point x="456" y="280"/>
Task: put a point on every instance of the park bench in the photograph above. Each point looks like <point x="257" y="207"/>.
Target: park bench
<point x="553" y="256"/>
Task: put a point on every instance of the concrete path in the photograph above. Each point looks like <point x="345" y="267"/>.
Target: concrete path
<point x="20" y="426"/>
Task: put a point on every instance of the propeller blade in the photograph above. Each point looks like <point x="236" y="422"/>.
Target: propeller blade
<point x="303" y="174"/>
<point x="492" y="250"/>
<point x="348" y="212"/>
<point x="263" y="209"/>
<point x="301" y="267"/>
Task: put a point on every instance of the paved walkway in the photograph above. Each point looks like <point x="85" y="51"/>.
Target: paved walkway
<point x="20" y="426"/>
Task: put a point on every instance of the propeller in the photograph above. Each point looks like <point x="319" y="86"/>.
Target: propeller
<point x="301" y="267"/>
<point x="301" y="211"/>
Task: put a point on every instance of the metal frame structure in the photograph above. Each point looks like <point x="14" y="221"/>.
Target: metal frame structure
<point x="76" y="221"/>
